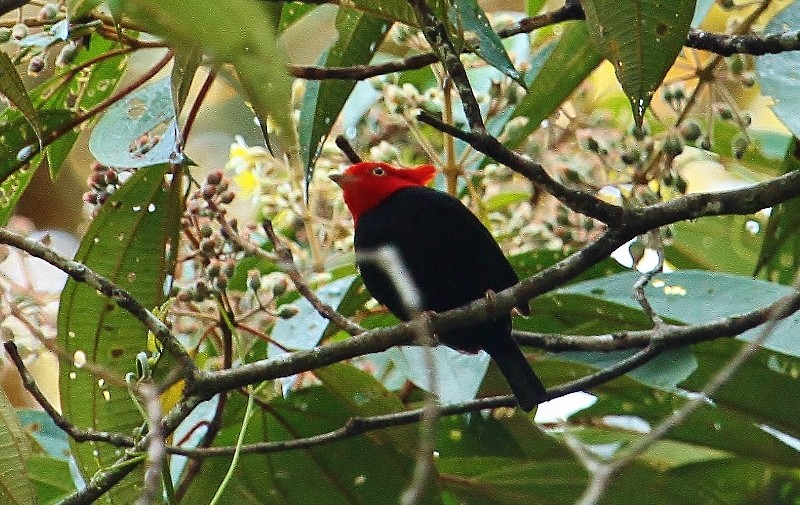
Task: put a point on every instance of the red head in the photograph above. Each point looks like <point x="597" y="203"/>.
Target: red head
<point x="366" y="184"/>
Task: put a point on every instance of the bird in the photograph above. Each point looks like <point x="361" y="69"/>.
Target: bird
<point x="445" y="252"/>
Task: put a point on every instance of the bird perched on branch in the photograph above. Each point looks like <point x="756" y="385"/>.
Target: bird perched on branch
<point x="444" y="252"/>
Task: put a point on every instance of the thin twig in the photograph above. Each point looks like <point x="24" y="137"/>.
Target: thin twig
<point x="286" y="262"/>
<point x="604" y="472"/>
<point x="347" y="149"/>
<point x="77" y="434"/>
<point x="81" y="273"/>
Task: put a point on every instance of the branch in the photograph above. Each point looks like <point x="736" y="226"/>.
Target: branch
<point x="436" y="35"/>
<point x="359" y="425"/>
<point x="286" y="262"/>
<point x="105" y="479"/>
<point x="77" y="434"/>
<point x="724" y="44"/>
<point x="81" y="273"/>
<point x="603" y="473"/>
<point x="576" y="199"/>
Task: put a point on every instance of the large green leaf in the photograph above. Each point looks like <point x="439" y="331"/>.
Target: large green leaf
<point x="772" y="74"/>
<point x="720" y="243"/>
<point x="84" y="90"/>
<point x="358" y="470"/>
<point x="641" y="39"/>
<point x="709" y="429"/>
<point x="694" y="296"/>
<point x="15" y="450"/>
<point x="128" y="243"/>
<point x="243" y="36"/>
<point x="779" y="257"/>
<point x="566" y="66"/>
<point x="359" y="37"/>
<point x="50" y="478"/>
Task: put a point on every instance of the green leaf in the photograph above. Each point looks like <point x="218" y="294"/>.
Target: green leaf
<point x="19" y="174"/>
<point x="641" y="39"/>
<point x="772" y="75"/>
<point x="44" y="431"/>
<point x="15" y="450"/>
<point x="128" y="243"/>
<point x="565" y="66"/>
<point x="187" y="61"/>
<point x="502" y="200"/>
<point x="139" y="130"/>
<point x="359" y="37"/>
<point x="490" y="47"/>
<point x="292" y="12"/>
<point x="709" y="427"/>
<point x="768" y="370"/>
<point x="50" y="478"/>
<point x="11" y="87"/>
<point x="779" y="257"/>
<point x="243" y="37"/>
<point x="722" y="244"/>
<point x="694" y="296"/>
<point x="79" y="8"/>
<point x="352" y="471"/>
<point x="305" y="329"/>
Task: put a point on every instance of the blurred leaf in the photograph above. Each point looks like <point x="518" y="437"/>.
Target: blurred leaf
<point x="184" y="68"/>
<point x="565" y="67"/>
<point x="532" y="262"/>
<point x="362" y="395"/>
<point x="458" y="375"/>
<point x="719" y="243"/>
<point x="532" y="7"/>
<point x="79" y="8"/>
<point x="641" y="41"/>
<point x="771" y="72"/>
<point x="359" y="38"/>
<point x="507" y="481"/>
<point x="695" y="296"/>
<point x="392" y="10"/>
<point x="45" y="432"/>
<point x="502" y="200"/>
<point x="305" y="329"/>
<point x="490" y="48"/>
<point x="138" y="131"/>
<point x="127" y="243"/>
<point x="355" y="470"/>
<point x="745" y="391"/>
<point x="50" y="477"/>
<point x="19" y="174"/>
<point x="13" y="89"/>
<point x="243" y="37"/>
<point x="710" y="427"/>
<point x="15" y="450"/>
<point x="293" y="12"/>
<point x="701" y="10"/>
<point x="779" y="257"/>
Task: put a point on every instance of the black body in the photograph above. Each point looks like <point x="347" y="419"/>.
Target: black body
<point x="453" y="259"/>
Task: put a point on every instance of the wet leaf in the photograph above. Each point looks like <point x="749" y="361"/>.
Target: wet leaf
<point x="641" y="40"/>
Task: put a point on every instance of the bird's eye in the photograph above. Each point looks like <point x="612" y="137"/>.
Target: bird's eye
<point x="378" y="171"/>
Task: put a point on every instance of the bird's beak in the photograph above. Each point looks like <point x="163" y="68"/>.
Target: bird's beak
<point x="340" y="179"/>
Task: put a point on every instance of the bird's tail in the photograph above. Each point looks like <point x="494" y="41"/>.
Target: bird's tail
<point x="524" y="383"/>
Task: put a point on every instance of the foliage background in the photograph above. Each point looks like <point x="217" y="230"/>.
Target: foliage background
<point x="152" y="103"/>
